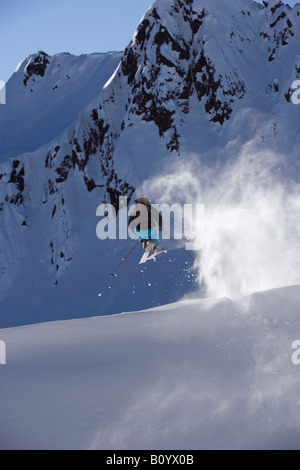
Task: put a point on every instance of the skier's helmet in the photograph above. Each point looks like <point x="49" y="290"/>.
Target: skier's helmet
<point x="142" y="200"/>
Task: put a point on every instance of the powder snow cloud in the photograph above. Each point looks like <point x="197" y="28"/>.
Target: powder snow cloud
<point x="251" y="225"/>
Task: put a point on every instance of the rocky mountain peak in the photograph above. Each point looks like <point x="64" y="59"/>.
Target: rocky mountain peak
<point x="198" y="77"/>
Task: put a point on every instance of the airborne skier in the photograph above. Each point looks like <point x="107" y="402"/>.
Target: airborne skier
<point x="146" y="222"/>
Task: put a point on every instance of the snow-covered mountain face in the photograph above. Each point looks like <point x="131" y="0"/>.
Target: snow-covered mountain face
<point x="46" y="95"/>
<point x="198" y="108"/>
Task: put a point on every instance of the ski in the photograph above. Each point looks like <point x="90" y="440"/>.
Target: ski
<point x="146" y="252"/>
<point x="154" y="256"/>
<point x="146" y="256"/>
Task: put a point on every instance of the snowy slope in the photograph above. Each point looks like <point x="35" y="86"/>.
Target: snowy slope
<point x="196" y="109"/>
<point x="47" y="94"/>
<point x="198" y="374"/>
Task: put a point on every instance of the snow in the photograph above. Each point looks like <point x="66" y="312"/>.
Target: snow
<point x="197" y="374"/>
<point x="33" y="117"/>
<point x="55" y="262"/>
<point x="208" y="364"/>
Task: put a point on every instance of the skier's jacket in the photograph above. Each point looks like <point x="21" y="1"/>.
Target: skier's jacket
<point x="145" y="220"/>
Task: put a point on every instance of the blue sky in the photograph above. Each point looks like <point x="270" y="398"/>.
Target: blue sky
<point x="75" y="26"/>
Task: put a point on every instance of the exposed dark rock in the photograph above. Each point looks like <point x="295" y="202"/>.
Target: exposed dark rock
<point x="280" y="17"/>
<point x="155" y="14"/>
<point x="280" y="31"/>
<point x="17" y="178"/>
<point x="90" y="184"/>
<point x="129" y="64"/>
<point x="63" y="169"/>
<point x="174" y="142"/>
<point x="51" y="187"/>
<point x="141" y="32"/>
<point x="275" y="7"/>
<point x="37" y="67"/>
<point x="208" y="85"/>
<point x="50" y="158"/>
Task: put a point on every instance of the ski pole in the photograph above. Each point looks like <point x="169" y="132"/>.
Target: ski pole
<point x="183" y="249"/>
<point x="179" y="245"/>
<point x="113" y="273"/>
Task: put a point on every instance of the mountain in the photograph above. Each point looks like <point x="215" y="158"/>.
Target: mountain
<point x="46" y="96"/>
<point x="197" y="108"/>
<point x="197" y="374"/>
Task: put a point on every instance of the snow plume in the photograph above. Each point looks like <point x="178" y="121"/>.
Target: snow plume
<point x="251" y="224"/>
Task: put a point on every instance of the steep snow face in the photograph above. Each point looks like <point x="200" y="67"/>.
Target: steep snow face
<point x="189" y="56"/>
<point x="200" y="77"/>
<point x="46" y="95"/>
<point x="280" y="26"/>
<point x="200" y="80"/>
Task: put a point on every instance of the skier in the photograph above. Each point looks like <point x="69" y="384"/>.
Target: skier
<point x="146" y="222"/>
